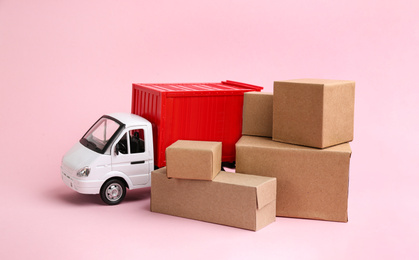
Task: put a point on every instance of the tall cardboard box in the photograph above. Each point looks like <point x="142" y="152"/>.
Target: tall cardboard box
<point x="232" y="199"/>
<point x="313" y="112"/>
<point x="311" y="183"/>
<point x="196" y="160"/>
<point x="257" y="114"/>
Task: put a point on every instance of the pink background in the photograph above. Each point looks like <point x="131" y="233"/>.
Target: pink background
<point x="65" y="63"/>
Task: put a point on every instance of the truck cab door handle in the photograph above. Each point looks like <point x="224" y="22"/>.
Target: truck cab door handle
<point x="137" y="162"/>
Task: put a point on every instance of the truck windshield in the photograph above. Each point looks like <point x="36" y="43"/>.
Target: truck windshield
<point x="101" y="134"/>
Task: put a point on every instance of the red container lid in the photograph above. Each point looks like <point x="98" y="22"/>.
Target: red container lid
<point x="196" y="89"/>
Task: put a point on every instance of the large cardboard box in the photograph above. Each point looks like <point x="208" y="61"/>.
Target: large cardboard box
<point x="257" y="114"/>
<point x="232" y="199"/>
<point x="312" y="183"/>
<point x="197" y="160"/>
<point x="313" y="112"/>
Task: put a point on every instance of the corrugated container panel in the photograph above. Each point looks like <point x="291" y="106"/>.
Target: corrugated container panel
<point x="192" y="111"/>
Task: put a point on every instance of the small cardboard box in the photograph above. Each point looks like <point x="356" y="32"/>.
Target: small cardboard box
<point x="313" y="112"/>
<point x="196" y="160"/>
<point x="312" y="183"/>
<point x="257" y="114"/>
<point x="232" y="199"/>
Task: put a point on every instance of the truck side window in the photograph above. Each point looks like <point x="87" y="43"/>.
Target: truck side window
<point x="122" y="145"/>
<point x="137" y="141"/>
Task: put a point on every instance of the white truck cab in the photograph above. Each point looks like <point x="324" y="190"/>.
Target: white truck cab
<point x="116" y="153"/>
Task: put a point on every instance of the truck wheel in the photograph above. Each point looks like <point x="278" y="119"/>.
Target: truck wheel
<point x="113" y="191"/>
<point x="231" y="165"/>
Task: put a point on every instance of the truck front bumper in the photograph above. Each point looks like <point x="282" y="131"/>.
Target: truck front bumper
<point x="81" y="186"/>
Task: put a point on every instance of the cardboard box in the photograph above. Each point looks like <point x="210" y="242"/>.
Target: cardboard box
<point x="313" y="112"/>
<point x="197" y="160"/>
<point x="312" y="183"/>
<point x="257" y="114"/>
<point x="232" y="199"/>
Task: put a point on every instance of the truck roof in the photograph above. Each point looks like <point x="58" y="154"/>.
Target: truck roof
<point x="185" y="88"/>
<point x="130" y="119"/>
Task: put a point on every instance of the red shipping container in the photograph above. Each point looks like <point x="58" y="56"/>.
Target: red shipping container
<point x="192" y="111"/>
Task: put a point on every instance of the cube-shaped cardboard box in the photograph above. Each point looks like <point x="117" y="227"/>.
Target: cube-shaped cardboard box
<point x="196" y="160"/>
<point x="232" y="199"/>
<point x="312" y="183"/>
<point x="313" y="112"/>
<point x="257" y="114"/>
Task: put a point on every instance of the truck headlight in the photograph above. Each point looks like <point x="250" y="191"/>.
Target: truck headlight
<point x="84" y="172"/>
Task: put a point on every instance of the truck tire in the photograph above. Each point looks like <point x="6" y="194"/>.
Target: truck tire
<point x="113" y="191"/>
<point x="231" y="165"/>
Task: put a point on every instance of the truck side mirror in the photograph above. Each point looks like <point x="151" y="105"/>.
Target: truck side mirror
<point x="117" y="149"/>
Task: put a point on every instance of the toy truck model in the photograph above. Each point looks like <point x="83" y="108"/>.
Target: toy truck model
<point x="120" y="150"/>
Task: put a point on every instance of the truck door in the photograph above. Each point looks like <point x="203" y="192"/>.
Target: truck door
<point x="130" y="156"/>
